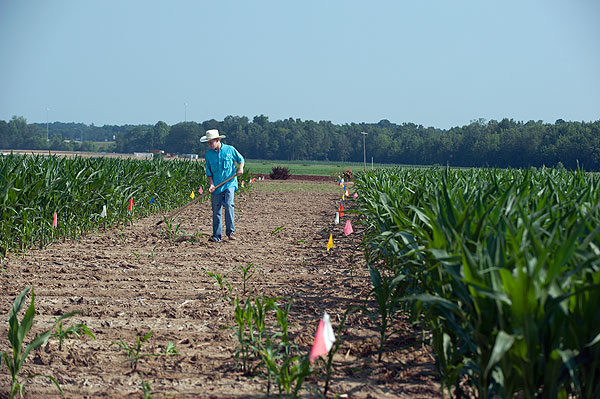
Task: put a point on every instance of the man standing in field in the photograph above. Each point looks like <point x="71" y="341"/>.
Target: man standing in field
<point x="220" y="165"/>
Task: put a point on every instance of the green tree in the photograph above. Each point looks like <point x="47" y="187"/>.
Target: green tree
<point x="184" y="138"/>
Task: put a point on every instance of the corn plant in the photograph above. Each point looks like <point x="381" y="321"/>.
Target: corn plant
<point x="134" y="353"/>
<point x="281" y="357"/>
<point x="75" y="330"/>
<point x="146" y="390"/>
<point x="16" y="335"/>
<point x="247" y="273"/>
<point x="250" y="329"/>
<point x="223" y="284"/>
<point x="388" y="292"/>
<point x="172" y="230"/>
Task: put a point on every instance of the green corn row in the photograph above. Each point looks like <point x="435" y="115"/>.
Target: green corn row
<point x="504" y="266"/>
<point x="33" y="188"/>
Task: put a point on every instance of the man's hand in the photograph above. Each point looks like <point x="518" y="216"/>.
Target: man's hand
<point x="211" y="189"/>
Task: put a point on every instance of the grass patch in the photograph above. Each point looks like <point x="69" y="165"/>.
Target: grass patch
<point x="314" y="168"/>
<point x="286" y="186"/>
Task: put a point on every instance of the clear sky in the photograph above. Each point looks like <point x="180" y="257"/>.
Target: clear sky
<point x="437" y="63"/>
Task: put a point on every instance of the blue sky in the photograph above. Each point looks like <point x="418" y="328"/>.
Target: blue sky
<point x="432" y="62"/>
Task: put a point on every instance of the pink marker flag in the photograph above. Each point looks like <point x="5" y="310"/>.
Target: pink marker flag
<point x="355" y="195"/>
<point x="348" y="228"/>
<point x="200" y="190"/>
<point x="324" y="339"/>
<point x="55" y="221"/>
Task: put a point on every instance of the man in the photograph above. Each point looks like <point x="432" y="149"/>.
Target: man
<point x="220" y="166"/>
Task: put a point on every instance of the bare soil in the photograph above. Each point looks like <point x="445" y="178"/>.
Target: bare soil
<point x="129" y="281"/>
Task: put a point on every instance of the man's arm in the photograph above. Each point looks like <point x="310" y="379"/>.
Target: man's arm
<point x="241" y="168"/>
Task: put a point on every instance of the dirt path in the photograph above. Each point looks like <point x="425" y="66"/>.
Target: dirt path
<point x="131" y="281"/>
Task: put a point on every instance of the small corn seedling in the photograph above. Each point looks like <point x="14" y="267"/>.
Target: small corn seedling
<point x="172" y="231"/>
<point x="281" y="356"/>
<point x="16" y="334"/>
<point x="387" y="292"/>
<point x="223" y="284"/>
<point x="146" y="390"/>
<point x="277" y="230"/>
<point x="134" y="354"/>
<point x="75" y="330"/>
<point x="247" y="273"/>
<point x="250" y="328"/>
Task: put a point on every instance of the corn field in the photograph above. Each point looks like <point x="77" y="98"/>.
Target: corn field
<point x="35" y="188"/>
<point x="503" y="266"/>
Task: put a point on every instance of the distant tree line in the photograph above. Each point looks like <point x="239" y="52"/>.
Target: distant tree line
<point x="505" y="143"/>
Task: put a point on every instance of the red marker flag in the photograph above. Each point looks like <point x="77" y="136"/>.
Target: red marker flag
<point x="55" y="221"/>
<point x="341" y="209"/>
<point x="130" y="204"/>
<point x="348" y="228"/>
<point x="324" y="339"/>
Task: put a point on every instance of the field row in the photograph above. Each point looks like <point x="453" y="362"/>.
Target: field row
<point x="504" y="266"/>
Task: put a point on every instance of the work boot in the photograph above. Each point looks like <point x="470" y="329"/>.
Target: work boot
<point x="213" y="239"/>
<point x="232" y="237"/>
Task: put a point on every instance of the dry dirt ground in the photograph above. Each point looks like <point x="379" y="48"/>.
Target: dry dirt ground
<point x="130" y="281"/>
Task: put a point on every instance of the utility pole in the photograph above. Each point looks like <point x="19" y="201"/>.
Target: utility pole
<point x="47" y="109"/>
<point x="364" y="149"/>
<point x="185" y="112"/>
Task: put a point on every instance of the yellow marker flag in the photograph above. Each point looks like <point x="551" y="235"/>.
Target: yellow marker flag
<point x="192" y="195"/>
<point x="343" y="196"/>
<point x="330" y="243"/>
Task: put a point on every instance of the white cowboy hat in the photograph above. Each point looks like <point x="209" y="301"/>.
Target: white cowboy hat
<point x="211" y="135"/>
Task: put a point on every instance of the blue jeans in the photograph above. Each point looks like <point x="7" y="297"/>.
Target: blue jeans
<point x="218" y="201"/>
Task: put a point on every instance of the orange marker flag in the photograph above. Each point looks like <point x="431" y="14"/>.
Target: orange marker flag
<point x="347" y="195"/>
<point x="130" y="204"/>
<point x="55" y="221"/>
<point x="324" y="339"/>
<point x="192" y="195"/>
<point x="200" y="190"/>
<point x="330" y="243"/>
<point x="341" y="209"/>
<point x="348" y="228"/>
